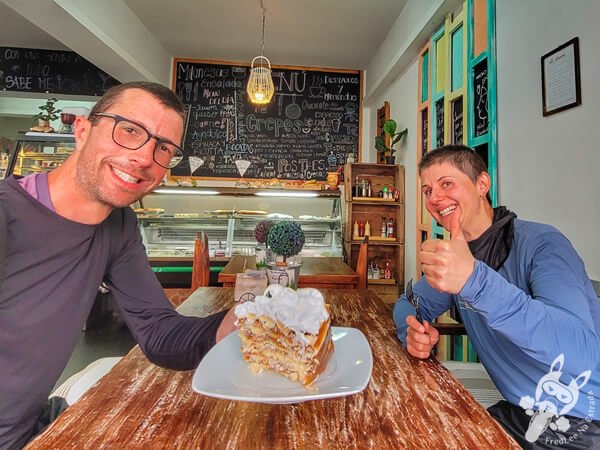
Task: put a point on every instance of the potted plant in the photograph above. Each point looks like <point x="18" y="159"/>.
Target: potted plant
<point x="389" y="129"/>
<point x="48" y="112"/>
<point x="261" y="233"/>
<point x="285" y="239"/>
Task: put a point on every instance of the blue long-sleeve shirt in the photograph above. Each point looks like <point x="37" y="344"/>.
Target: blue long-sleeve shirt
<point x="539" y="305"/>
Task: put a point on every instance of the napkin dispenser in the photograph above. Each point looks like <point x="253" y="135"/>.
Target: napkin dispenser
<point x="249" y="284"/>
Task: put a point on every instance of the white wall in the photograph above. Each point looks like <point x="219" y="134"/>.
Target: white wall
<point x="549" y="167"/>
<point x="402" y="97"/>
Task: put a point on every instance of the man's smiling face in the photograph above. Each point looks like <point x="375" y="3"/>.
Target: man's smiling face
<point x="117" y="176"/>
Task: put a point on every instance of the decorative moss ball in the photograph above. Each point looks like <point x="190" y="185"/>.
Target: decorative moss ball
<point x="261" y="231"/>
<point x="286" y="238"/>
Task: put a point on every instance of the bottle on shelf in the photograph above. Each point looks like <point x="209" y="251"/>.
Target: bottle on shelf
<point x="356" y="191"/>
<point x="367" y="229"/>
<point x="369" y="189"/>
<point x="355" y="230"/>
<point x="387" y="272"/>
<point x="390" y="228"/>
<point x="383" y="227"/>
<point x="375" y="271"/>
<point x="361" y="229"/>
<point x="364" y="188"/>
<point x="385" y="192"/>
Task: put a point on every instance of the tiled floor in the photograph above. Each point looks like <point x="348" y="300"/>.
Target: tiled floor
<point x="106" y="337"/>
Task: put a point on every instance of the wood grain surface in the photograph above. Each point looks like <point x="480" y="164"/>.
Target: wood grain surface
<point x="408" y="404"/>
<point x="319" y="272"/>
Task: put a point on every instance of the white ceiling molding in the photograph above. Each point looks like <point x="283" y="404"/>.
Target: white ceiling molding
<point x="105" y="33"/>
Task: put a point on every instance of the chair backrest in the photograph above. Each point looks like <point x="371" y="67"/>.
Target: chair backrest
<point x="201" y="263"/>
<point x="361" y="264"/>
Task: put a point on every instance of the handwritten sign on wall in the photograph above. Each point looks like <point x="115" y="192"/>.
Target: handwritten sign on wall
<point x="309" y="127"/>
<point x="51" y="71"/>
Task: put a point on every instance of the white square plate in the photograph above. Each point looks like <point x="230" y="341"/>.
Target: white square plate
<point x="224" y="374"/>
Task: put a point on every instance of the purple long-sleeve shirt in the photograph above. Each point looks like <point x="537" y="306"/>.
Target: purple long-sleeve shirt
<point x="51" y="276"/>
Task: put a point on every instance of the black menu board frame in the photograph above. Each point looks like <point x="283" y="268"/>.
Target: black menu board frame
<point x="312" y="123"/>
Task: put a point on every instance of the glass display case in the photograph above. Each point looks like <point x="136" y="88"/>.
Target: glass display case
<point x="39" y="152"/>
<point x="170" y="217"/>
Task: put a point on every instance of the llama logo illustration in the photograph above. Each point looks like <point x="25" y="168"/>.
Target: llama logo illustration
<point x="553" y="400"/>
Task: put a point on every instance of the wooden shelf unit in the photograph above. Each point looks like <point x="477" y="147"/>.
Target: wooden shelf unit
<point x="374" y="209"/>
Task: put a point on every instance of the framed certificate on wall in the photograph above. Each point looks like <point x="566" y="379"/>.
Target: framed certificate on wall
<point x="561" y="80"/>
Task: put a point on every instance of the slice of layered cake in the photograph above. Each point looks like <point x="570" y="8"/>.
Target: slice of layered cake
<point x="287" y="331"/>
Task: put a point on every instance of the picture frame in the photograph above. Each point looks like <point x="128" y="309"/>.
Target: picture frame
<point x="561" y="78"/>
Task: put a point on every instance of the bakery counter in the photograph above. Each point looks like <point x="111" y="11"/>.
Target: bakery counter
<point x="407" y="404"/>
<point x="169" y="222"/>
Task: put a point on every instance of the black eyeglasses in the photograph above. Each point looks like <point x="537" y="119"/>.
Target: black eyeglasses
<point x="132" y="135"/>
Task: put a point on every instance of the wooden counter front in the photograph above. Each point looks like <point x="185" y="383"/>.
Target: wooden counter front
<point x="318" y="272"/>
<point x="408" y="403"/>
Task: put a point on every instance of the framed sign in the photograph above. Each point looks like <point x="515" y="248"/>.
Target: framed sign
<point x="561" y="80"/>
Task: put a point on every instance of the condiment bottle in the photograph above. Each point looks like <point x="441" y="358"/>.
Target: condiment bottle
<point x="383" y="227"/>
<point x="390" y="227"/>
<point x="361" y="228"/>
<point x="387" y="273"/>
<point x="355" y="230"/>
<point x="367" y="229"/>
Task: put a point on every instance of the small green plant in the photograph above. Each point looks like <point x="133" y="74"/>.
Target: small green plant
<point x="286" y="238"/>
<point x="48" y="111"/>
<point x="389" y="129"/>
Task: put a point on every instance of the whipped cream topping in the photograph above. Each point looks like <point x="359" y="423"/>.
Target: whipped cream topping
<point x="301" y="310"/>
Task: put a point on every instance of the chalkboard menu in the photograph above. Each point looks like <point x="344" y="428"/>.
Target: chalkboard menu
<point x="52" y="71"/>
<point x="424" y="129"/>
<point x="439" y="122"/>
<point x="480" y="88"/>
<point x="457" y="121"/>
<point x="308" y="128"/>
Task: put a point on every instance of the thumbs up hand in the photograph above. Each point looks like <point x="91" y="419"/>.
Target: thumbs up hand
<point x="447" y="265"/>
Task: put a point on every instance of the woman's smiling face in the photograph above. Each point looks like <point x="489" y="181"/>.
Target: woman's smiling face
<point x="449" y="191"/>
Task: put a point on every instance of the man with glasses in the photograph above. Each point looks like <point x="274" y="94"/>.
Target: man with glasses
<point x="67" y="231"/>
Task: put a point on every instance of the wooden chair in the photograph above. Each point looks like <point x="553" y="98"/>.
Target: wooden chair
<point x="201" y="262"/>
<point x="362" y="264"/>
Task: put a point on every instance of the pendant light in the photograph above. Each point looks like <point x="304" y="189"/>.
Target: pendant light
<point x="260" y="84"/>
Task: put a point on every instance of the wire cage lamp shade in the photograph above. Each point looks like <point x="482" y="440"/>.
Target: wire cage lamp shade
<point x="260" y="84"/>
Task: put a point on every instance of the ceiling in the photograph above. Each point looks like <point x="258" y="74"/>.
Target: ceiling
<point x="323" y="33"/>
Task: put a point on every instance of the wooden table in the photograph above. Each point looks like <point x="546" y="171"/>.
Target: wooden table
<point x="408" y="403"/>
<point x="319" y="272"/>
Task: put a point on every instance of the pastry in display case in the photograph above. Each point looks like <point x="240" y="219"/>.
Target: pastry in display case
<point x="39" y="152"/>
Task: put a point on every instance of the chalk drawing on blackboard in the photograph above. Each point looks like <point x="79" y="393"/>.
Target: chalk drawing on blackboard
<point x="480" y="88"/>
<point x="195" y="163"/>
<point x="242" y="166"/>
<point x="293" y="110"/>
<point x="482" y="104"/>
<point x="224" y="127"/>
<point x="238" y="72"/>
<point x="350" y="115"/>
<point x="457" y="121"/>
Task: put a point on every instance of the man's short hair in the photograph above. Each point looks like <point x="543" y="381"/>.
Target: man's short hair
<point x="462" y="157"/>
<point x="163" y="94"/>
